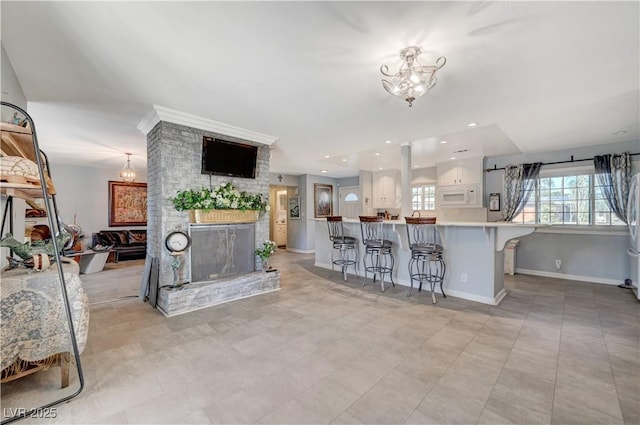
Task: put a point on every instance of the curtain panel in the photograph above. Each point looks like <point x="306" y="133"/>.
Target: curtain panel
<point x="614" y="176"/>
<point x="519" y="182"/>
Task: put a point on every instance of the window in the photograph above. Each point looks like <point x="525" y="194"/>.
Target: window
<point x="423" y="197"/>
<point x="570" y="197"/>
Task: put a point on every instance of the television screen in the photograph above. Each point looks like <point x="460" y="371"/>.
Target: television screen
<point x="224" y="158"/>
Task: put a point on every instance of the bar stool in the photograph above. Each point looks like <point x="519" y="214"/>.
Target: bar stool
<point x="377" y="249"/>
<point x="345" y="244"/>
<point x="427" y="257"/>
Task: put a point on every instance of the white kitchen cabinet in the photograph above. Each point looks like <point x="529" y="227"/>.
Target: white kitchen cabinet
<point x="384" y="189"/>
<point x="466" y="171"/>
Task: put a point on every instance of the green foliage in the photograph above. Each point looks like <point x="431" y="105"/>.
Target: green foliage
<point x="266" y="251"/>
<point x="222" y="197"/>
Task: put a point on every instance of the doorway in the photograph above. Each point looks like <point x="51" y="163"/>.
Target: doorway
<point x="278" y="218"/>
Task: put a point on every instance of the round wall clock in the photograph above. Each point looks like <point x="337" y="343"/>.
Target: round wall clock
<point x="177" y="241"/>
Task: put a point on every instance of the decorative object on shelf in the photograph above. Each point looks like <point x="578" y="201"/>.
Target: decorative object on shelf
<point x="494" y="202"/>
<point x="127" y="204"/>
<point x="223" y="216"/>
<point x="294" y="208"/>
<point x="323" y="200"/>
<point x="128" y="173"/>
<point x="222" y="204"/>
<point x="14" y="169"/>
<point x="265" y="252"/>
<point x="412" y="79"/>
<point x="177" y="241"/>
<point x="32" y="253"/>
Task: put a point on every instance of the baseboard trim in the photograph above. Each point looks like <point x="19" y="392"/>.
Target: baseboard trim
<point x="458" y="294"/>
<point x="301" y="251"/>
<point x="590" y="279"/>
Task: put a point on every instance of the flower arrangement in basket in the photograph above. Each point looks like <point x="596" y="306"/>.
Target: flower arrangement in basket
<point x="265" y="252"/>
<point x="222" y="197"/>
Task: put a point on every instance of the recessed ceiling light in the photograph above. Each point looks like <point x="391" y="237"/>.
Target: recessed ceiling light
<point x="327" y="156"/>
<point x="380" y="168"/>
<point x="387" y="142"/>
<point x="377" y="154"/>
<point x="443" y="141"/>
<point x="620" y="132"/>
<point x="472" y="124"/>
<point x="344" y="159"/>
<point x="453" y="157"/>
<point x="415" y="166"/>
<point x="323" y="171"/>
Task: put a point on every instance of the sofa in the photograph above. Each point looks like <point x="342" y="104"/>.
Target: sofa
<point x="127" y="244"/>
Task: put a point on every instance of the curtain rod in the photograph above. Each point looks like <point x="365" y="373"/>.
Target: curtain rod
<point x="495" y="168"/>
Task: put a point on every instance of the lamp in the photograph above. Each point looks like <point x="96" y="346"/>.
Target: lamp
<point x="412" y="79"/>
<point x="128" y="173"/>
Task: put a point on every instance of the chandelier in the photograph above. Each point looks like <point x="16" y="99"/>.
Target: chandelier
<point x="412" y="79"/>
<point x="128" y="173"/>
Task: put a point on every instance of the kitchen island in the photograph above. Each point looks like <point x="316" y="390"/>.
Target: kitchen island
<point x="474" y="254"/>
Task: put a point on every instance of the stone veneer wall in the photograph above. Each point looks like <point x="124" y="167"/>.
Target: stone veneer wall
<point x="174" y="157"/>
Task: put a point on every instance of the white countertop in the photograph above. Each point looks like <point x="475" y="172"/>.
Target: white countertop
<point x="453" y="223"/>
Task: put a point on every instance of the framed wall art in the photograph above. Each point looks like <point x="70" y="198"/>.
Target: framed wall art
<point x="323" y="200"/>
<point x="294" y="208"/>
<point x="494" y="202"/>
<point x="127" y="204"/>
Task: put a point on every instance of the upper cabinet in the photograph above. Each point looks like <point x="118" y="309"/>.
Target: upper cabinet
<point x="466" y="171"/>
<point x="384" y="189"/>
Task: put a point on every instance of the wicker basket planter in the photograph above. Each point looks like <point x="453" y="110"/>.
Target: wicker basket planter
<point x="222" y="216"/>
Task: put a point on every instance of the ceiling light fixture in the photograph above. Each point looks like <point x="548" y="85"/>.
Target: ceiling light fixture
<point x="472" y="124"/>
<point x="128" y="173"/>
<point x="443" y="142"/>
<point x="327" y="156"/>
<point x="412" y="79"/>
<point x="344" y="159"/>
<point x="388" y="142"/>
<point x="324" y="171"/>
<point x="377" y="154"/>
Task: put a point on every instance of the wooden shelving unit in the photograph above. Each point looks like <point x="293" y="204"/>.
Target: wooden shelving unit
<point x="22" y="141"/>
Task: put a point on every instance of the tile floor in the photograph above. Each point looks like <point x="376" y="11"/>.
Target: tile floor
<point x="324" y="351"/>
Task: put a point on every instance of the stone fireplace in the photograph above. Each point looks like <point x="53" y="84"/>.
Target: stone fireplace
<point x="174" y="161"/>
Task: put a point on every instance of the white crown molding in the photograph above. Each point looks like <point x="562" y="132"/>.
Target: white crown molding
<point x="160" y="113"/>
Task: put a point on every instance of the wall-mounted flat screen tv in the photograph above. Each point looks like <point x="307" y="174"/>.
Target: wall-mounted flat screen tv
<point x="224" y="158"/>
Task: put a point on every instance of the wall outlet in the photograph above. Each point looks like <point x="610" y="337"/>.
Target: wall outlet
<point x="558" y="264"/>
<point x="463" y="277"/>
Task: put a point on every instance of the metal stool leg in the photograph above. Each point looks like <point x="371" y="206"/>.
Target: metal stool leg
<point x="411" y="261"/>
<point x="444" y="270"/>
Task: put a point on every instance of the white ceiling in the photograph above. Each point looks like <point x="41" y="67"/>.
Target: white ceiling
<point x="537" y="76"/>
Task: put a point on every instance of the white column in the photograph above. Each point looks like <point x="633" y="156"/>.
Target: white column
<point x="405" y="179"/>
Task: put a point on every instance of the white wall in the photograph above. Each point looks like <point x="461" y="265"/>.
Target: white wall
<point x="11" y="89"/>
